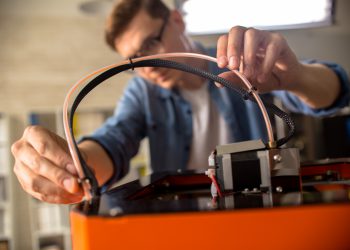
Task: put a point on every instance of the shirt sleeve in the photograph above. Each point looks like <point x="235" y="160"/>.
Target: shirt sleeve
<point x="121" y="134"/>
<point x="294" y="104"/>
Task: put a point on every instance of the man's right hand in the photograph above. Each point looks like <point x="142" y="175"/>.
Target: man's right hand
<point x="45" y="168"/>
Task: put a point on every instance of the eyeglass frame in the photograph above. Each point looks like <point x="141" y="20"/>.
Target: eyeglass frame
<point x="157" y="39"/>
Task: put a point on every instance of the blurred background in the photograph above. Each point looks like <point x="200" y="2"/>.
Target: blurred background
<point x="47" y="45"/>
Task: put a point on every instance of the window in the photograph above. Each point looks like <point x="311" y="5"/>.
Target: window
<point x="215" y="17"/>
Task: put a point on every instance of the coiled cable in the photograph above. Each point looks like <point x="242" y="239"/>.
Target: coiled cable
<point x="86" y="175"/>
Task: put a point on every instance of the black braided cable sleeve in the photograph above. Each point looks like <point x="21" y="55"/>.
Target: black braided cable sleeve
<point x="178" y="66"/>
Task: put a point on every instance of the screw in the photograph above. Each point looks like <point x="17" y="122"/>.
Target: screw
<point x="115" y="211"/>
<point x="279" y="189"/>
<point x="277" y="158"/>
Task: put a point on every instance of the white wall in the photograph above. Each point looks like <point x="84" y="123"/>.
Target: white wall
<point x="328" y="43"/>
<point x="47" y="45"/>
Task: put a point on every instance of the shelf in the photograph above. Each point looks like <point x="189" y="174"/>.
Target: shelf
<point x="51" y="217"/>
<point x="4" y="160"/>
<point x="14" y="215"/>
<point x="6" y="192"/>
<point x="53" y="242"/>
<point x="5" y="227"/>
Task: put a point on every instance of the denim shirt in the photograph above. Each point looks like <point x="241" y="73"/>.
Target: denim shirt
<point x="162" y="115"/>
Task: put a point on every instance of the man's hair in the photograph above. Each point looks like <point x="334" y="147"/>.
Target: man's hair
<point x="125" y="10"/>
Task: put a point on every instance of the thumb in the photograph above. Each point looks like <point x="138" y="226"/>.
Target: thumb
<point x="72" y="185"/>
<point x="219" y="85"/>
<point x="70" y="167"/>
<point x="232" y="78"/>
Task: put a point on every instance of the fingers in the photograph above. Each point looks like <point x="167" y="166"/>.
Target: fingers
<point x="252" y="41"/>
<point x="253" y="52"/>
<point x="44" y="167"/>
<point x="41" y="166"/>
<point x="218" y="85"/>
<point x="43" y="189"/>
<point x="235" y="46"/>
<point x="50" y="146"/>
<point x="273" y="50"/>
<point x="232" y="78"/>
<point x="221" y="53"/>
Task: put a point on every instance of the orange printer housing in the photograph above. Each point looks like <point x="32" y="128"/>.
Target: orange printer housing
<point x="295" y="226"/>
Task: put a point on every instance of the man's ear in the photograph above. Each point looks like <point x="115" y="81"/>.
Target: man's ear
<point x="176" y="16"/>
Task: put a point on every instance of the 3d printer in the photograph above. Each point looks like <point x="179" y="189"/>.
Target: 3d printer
<point x="254" y="197"/>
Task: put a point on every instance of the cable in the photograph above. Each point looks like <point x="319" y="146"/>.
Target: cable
<point x="89" y="183"/>
<point x="213" y="179"/>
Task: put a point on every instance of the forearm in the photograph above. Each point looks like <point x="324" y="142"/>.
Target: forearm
<point x="97" y="158"/>
<point x="316" y="85"/>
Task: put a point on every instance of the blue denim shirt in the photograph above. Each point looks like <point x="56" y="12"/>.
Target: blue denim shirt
<point x="162" y="115"/>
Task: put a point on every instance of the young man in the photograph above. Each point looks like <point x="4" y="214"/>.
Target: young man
<point x="183" y="115"/>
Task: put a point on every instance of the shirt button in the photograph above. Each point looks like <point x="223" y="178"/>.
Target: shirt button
<point x="187" y="148"/>
<point x="189" y="112"/>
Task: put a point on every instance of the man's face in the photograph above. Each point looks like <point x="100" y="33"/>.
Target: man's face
<point x="146" y="36"/>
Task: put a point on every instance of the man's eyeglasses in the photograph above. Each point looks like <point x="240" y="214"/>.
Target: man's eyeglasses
<point x="152" y="44"/>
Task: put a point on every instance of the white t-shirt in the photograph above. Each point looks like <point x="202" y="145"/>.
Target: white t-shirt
<point x="209" y="128"/>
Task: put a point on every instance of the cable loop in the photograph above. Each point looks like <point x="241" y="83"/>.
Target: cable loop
<point x="89" y="181"/>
